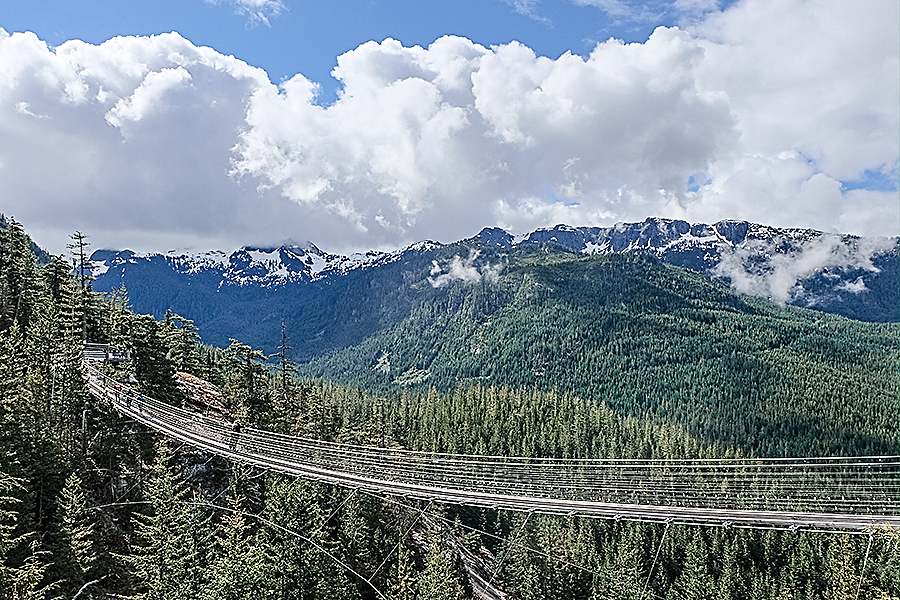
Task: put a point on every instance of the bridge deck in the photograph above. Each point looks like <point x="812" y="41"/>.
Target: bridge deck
<point x="832" y="493"/>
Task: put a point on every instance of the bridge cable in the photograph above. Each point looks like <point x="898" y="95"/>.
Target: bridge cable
<point x="336" y="511"/>
<point x="400" y="541"/>
<point x="655" y="558"/>
<point x="649" y="488"/>
<point x="488" y="534"/>
<point x="508" y="548"/>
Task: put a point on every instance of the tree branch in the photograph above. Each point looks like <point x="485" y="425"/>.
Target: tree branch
<point x="87" y="585"/>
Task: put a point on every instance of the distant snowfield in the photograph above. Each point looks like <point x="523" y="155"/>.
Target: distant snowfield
<point x="755" y="259"/>
<point x="266" y="267"/>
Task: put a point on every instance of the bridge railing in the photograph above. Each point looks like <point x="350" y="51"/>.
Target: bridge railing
<point x="847" y="493"/>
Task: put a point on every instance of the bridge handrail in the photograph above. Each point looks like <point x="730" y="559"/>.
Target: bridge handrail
<point x="557" y="487"/>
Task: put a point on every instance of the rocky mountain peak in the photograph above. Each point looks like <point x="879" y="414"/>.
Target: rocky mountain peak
<point x="840" y="272"/>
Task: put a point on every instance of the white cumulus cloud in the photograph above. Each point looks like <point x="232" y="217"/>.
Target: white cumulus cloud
<point x="767" y="107"/>
<point x="447" y="136"/>
<point x="148" y="96"/>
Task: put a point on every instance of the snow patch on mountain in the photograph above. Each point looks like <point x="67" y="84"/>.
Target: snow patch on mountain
<point x="254" y="265"/>
<point x="788" y="265"/>
<point x="98" y="268"/>
<point x="187" y="262"/>
<point x="775" y="263"/>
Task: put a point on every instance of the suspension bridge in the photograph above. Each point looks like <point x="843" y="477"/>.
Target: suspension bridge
<point x="849" y="494"/>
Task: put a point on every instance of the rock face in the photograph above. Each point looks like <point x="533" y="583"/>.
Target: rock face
<point x="236" y="293"/>
<point x="678" y="242"/>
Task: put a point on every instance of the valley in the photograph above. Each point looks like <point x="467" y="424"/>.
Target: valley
<point x="478" y="300"/>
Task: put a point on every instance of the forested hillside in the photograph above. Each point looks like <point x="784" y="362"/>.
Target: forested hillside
<point x="646" y="337"/>
<point x="94" y="506"/>
<point x="650" y="340"/>
<point x="39" y="253"/>
<point x="330" y="301"/>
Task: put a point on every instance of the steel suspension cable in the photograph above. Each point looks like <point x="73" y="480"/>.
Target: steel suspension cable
<point x="864" y="488"/>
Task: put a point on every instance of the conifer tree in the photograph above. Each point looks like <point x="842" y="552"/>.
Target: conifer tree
<point x="13" y="368"/>
<point x="78" y="551"/>
<point x="298" y="570"/>
<point x="621" y="577"/>
<point x="236" y="570"/>
<point x="890" y="577"/>
<point x="729" y="586"/>
<point x="285" y="405"/>
<point x="152" y="366"/>
<point x="520" y="574"/>
<point x="842" y="570"/>
<point x="694" y="582"/>
<point x="8" y="538"/>
<point x="286" y="574"/>
<point x="30" y="580"/>
<point x="403" y="583"/>
<point x="78" y="245"/>
<point x="438" y="579"/>
<point x="170" y="544"/>
<point x="355" y="529"/>
<point x="245" y="382"/>
<point x="182" y="339"/>
<point x="117" y="317"/>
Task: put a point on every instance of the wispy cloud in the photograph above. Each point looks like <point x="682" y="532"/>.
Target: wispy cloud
<point x="23" y="108"/>
<point x="465" y="270"/>
<point x="257" y="12"/>
<point x="528" y="8"/>
<point x="858" y="286"/>
<point x="751" y="270"/>
<point x="652" y="11"/>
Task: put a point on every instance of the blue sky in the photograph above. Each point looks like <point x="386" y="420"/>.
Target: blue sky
<point x="306" y="36"/>
<point x="783" y="112"/>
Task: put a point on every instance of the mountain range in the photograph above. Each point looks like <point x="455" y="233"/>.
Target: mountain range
<point x="491" y="346"/>
<point x="646" y="316"/>
<point x="246" y="293"/>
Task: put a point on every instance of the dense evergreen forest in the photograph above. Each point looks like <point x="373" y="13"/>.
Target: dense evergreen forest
<point x="650" y="340"/>
<point x="94" y="506"/>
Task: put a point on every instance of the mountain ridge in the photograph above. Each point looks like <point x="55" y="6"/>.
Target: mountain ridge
<point x="838" y="273"/>
<point x="647" y="338"/>
<point x="621" y="237"/>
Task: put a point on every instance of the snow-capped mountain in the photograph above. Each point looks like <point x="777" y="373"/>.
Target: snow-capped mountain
<point x="664" y="238"/>
<point x="697" y="246"/>
<point x="838" y="273"/>
<point x="248" y="266"/>
<point x="252" y="287"/>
